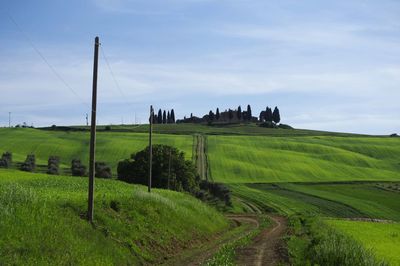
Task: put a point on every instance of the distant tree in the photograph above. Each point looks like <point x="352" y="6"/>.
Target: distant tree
<point x="53" y="165"/>
<point x="239" y="113"/>
<point x="262" y="116"/>
<point x="164" y="117"/>
<point x="230" y="112"/>
<point x="30" y="163"/>
<point x="155" y="119"/>
<point x="77" y="168"/>
<point x="217" y="114"/>
<point x="249" y="115"/>
<point x="191" y="115"/>
<point x="276" y="117"/>
<point x="268" y="115"/>
<point x="159" y="116"/>
<point x="211" y="116"/>
<point x="6" y="160"/>
<point x="172" y="116"/>
<point x="102" y="170"/>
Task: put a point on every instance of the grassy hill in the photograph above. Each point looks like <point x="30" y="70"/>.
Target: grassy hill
<point x="213" y="129"/>
<point x="111" y="146"/>
<point x="42" y="222"/>
<point x="256" y="159"/>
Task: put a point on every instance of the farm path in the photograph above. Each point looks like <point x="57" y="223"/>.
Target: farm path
<point x="266" y="248"/>
<point x="201" y="254"/>
<point x="201" y="159"/>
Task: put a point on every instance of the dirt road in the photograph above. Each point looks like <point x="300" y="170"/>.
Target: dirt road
<point x="266" y="248"/>
<point x="201" y="254"/>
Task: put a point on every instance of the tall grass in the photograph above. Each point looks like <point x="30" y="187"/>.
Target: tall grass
<point x="312" y="242"/>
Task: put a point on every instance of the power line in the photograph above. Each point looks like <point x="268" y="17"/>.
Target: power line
<point x="52" y="68"/>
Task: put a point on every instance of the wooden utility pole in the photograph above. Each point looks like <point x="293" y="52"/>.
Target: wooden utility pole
<point x="150" y="146"/>
<point x="93" y="133"/>
<point x="169" y="167"/>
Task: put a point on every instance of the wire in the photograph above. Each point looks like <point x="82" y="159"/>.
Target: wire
<point x="52" y="68"/>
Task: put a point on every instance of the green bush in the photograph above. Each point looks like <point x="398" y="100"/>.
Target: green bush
<point x="169" y="170"/>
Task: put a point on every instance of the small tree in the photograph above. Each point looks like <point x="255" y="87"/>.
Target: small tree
<point x="53" y="165"/>
<point x="159" y="117"/>
<point x="276" y="117"/>
<point x="211" y="116"/>
<point x="164" y="117"/>
<point x="249" y="115"/>
<point x="268" y="115"/>
<point x="168" y="118"/>
<point x="102" y="170"/>
<point x="6" y="160"/>
<point x="173" y="116"/>
<point x="77" y="168"/>
<point x="217" y="114"/>
<point x="239" y="113"/>
<point x="30" y="163"/>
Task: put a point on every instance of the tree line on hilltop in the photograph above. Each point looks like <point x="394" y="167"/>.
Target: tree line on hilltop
<point x="236" y="116"/>
<point x="164" y="117"/>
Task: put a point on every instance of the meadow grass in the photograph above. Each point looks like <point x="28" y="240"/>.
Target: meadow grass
<point x="217" y="129"/>
<point x="313" y="242"/>
<point x="42" y="221"/>
<point x="353" y="200"/>
<point x="383" y="239"/>
<point x="111" y="147"/>
<point x="255" y="159"/>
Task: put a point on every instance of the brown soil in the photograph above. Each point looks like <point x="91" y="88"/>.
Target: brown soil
<point x="207" y="250"/>
<point x="266" y="248"/>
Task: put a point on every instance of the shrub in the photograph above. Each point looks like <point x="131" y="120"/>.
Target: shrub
<point x="6" y="160"/>
<point x="77" y="168"/>
<point x="218" y="190"/>
<point x="183" y="174"/>
<point x="53" y="165"/>
<point x="284" y="126"/>
<point x="108" y="128"/>
<point x="102" y="170"/>
<point x="30" y="163"/>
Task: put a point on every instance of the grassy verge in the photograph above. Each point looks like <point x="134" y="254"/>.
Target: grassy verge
<point x="313" y="242"/>
<point x="383" y="239"/>
<point x="42" y="222"/>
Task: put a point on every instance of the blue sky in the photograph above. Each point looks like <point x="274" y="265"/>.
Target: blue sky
<point x="330" y="65"/>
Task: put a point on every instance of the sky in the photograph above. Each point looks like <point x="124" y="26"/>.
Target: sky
<point x="327" y="65"/>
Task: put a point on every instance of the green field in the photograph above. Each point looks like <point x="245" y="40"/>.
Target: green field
<point x="251" y="129"/>
<point x="42" y="221"/>
<point x="255" y="159"/>
<point x="331" y="200"/>
<point x="383" y="239"/>
<point x="111" y="146"/>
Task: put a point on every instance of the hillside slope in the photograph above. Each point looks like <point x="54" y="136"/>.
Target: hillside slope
<point x="42" y="222"/>
<point x="256" y="159"/>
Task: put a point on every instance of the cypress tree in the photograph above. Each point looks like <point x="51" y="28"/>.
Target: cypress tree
<point x="168" y="117"/>
<point x="159" y="117"/>
<point x="230" y="114"/>
<point x="239" y="113"/>
<point x="172" y="116"/>
<point x="164" y="118"/>
<point x="276" y="116"/>
<point x="211" y="116"/>
<point x="217" y="114"/>
<point x="268" y="115"/>
<point x="249" y="115"/>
